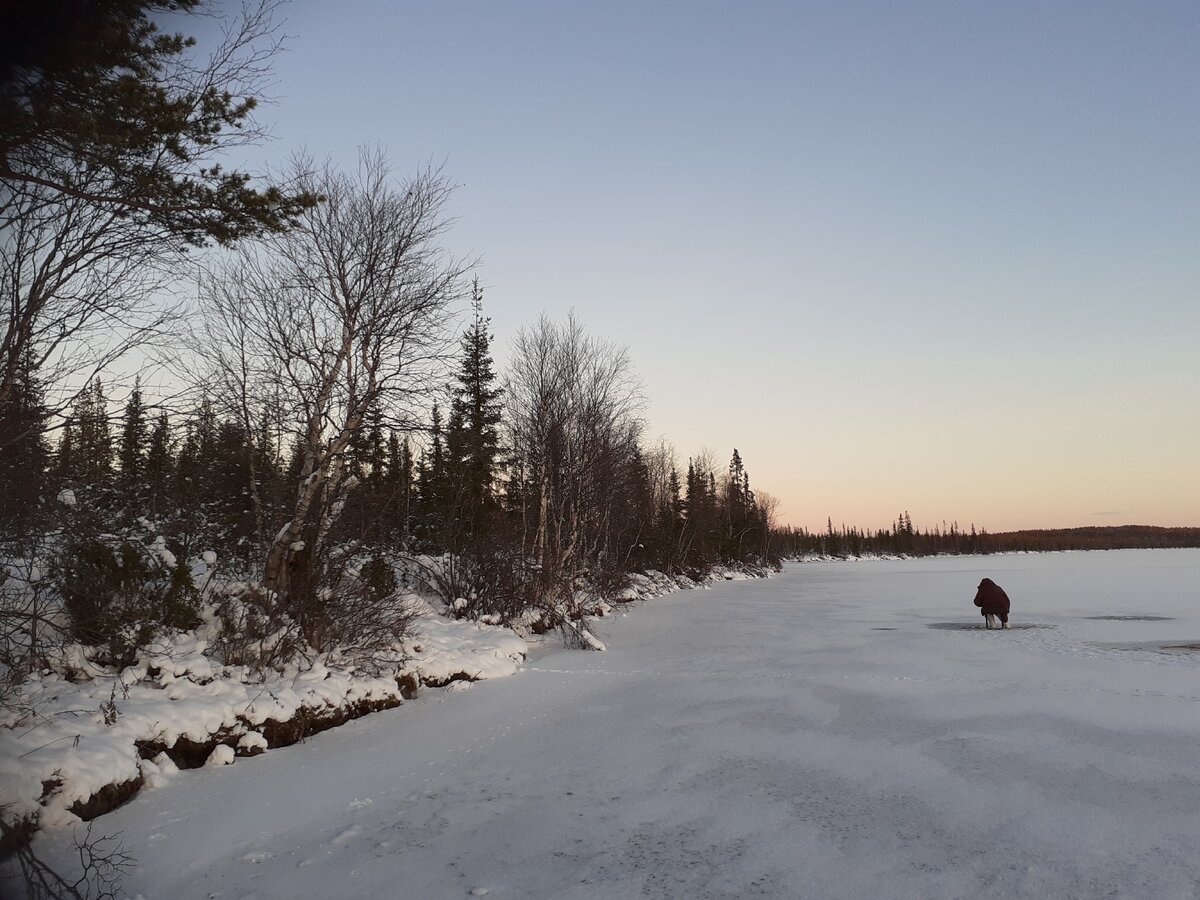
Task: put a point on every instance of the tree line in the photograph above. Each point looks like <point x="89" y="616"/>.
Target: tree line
<point x="332" y="435"/>
<point x="533" y="495"/>
<point x="903" y="539"/>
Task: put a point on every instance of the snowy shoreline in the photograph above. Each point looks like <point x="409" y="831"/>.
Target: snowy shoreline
<point x="70" y="752"/>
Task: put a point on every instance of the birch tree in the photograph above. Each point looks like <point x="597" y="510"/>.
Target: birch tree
<point x="573" y="426"/>
<point x="345" y="314"/>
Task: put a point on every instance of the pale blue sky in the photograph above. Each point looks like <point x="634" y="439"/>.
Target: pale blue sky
<point x="942" y="257"/>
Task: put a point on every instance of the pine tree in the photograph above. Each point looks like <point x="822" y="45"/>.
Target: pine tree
<point x="23" y="459"/>
<point x="66" y="467"/>
<point x="98" y="87"/>
<point x="399" y="485"/>
<point x="93" y="449"/>
<point x="159" y="466"/>
<point x="472" y="435"/>
<point x="131" y="455"/>
<point x="669" y="524"/>
<point x="193" y="469"/>
<point x="431" y="486"/>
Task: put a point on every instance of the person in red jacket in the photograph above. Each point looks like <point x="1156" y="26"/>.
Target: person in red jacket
<point x="992" y="603"/>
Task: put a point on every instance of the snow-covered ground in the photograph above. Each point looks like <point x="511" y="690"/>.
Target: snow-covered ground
<point x="842" y="730"/>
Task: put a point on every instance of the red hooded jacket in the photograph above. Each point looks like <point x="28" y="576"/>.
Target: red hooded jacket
<point x="991" y="599"/>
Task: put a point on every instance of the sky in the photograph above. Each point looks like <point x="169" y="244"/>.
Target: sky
<point x="936" y="257"/>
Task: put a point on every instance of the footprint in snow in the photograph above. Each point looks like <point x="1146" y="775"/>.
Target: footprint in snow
<point x="348" y="835"/>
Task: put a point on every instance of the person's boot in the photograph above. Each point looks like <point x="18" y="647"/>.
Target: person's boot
<point x="1003" y="624"/>
<point x="989" y="621"/>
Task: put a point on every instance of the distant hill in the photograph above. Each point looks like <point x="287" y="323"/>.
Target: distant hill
<point x="1115" y="537"/>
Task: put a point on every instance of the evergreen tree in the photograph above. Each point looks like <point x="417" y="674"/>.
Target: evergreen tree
<point x="636" y="516"/>
<point x="131" y="455"/>
<point x="93" y="449"/>
<point x="740" y="514"/>
<point x="193" y="468"/>
<point x="227" y="482"/>
<point x="364" y="516"/>
<point x="269" y="469"/>
<point x="375" y="455"/>
<point x="702" y="525"/>
<point x="97" y="87"/>
<point x="431" y="486"/>
<point x="24" y="458"/>
<point x="66" y="468"/>
<point x="472" y="435"/>
<point x="669" y="525"/>
<point x="399" y="485"/>
<point x="159" y="466"/>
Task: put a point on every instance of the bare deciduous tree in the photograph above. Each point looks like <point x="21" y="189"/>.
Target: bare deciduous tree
<point x="108" y="171"/>
<point x="768" y="510"/>
<point x="79" y="286"/>
<point x="345" y="314"/>
<point x="573" y="424"/>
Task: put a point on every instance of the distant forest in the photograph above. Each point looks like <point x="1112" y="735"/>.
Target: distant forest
<point x="902" y="539"/>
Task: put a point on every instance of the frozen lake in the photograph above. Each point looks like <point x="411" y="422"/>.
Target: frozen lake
<point x="842" y="730"/>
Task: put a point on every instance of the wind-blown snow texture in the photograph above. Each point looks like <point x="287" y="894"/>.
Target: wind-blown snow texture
<point x="844" y="730"/>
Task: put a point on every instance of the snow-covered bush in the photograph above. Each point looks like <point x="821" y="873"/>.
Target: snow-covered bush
<point x="378" y="578"/>
<point x="120" y="594"/>
<point x="479" y="583"/>
<point x="252" y="630"/>
<point x="364" y="613"/>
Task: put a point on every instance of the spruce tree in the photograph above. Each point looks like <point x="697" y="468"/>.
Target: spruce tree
<point x="97" y="88"/>
<point x="24" y="458"/>
<point x="66" y="466"/>
<point x="375" y="456"/>
<point x="193" y="468"/>
<point x="228" y="484"/>
<point x="637" y="517"/>
<point x="399" y="485"/>
<point x="431" y="486"/>
<point x="702" y="517"/>
<point x="159" y="466"/>
<point x="669" y="524"/>
<point x="472" y="435"/>
<point x="735" y="512"/>
<point x="93" y="450"/>
<point x="131" y="455"/>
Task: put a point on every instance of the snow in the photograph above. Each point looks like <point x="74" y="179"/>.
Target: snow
<point x="222" y="755"/>
<point x="839" y="731"/>
<point x="84" y="735"/>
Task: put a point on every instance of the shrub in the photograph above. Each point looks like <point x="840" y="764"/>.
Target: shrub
<point x="378" y="578"/>
<point x="478" y="583"/>
<point x="120" y="595"/>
